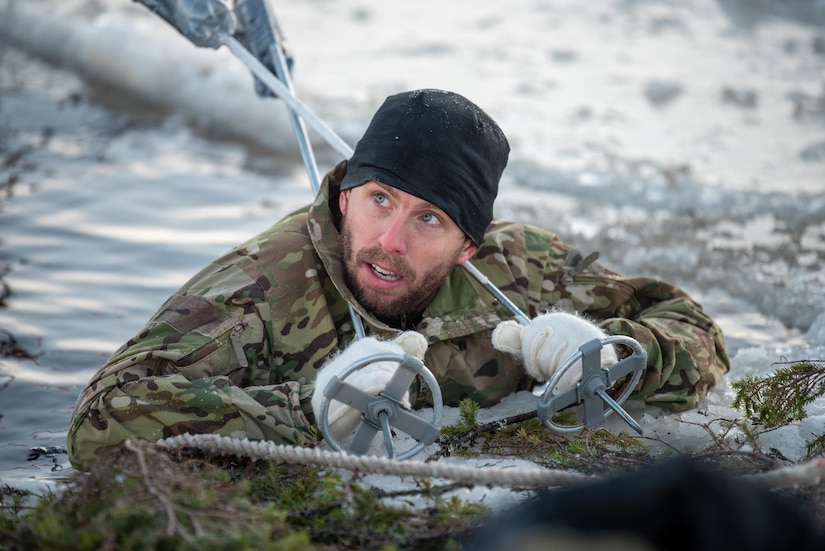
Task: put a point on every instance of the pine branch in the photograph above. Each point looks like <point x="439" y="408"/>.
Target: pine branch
<point x="780" y="398"/>
<point x="816" y="446"/>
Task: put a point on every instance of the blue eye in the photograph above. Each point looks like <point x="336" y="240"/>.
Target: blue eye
<point x="380" y="198"/>
<point x="430" y="218"/>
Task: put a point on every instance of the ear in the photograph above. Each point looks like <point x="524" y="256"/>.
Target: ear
<point x="467" y="251"/>
<point x="343" y="201"/>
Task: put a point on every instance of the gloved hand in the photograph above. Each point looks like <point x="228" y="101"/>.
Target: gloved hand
<point x="372" y="378"/>
<point x="548" y="341"/>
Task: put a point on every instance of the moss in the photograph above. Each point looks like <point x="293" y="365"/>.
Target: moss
<point x="137" y="497"/>
<point x="526" y="436"/>
<point x="591" y="450"/>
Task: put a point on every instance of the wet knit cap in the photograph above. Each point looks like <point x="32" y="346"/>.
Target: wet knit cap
<point x="438" y="146"/>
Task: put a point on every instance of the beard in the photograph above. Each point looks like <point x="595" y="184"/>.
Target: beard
<point x="387" y="304"/>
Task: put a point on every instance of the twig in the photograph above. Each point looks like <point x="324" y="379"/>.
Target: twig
<point x="432" y="491"/>
<point x="435" y="535"/>
<point x="768" y="460"/>
<point x="475" y="432"/>
<point x="794" y="362"/>
<point x="720" y="443"/>
<point x="172" y="522"/>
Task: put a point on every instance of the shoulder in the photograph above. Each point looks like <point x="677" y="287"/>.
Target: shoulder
<point x="524" y="241"/>
<point x="284" y="243"/>
<point x="264" y="260"/>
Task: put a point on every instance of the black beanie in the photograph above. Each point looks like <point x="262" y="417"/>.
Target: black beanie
<point x="438" y="146"/>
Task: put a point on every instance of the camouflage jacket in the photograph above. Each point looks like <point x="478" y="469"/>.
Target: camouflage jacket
<point x="236" y="349"/>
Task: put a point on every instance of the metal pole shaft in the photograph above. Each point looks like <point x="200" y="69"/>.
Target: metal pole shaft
<point x="521" y="317"/>
<point x="307" y="154"/>
<point x="612" y="404"/>
<point x="297" y="122"/>
<point x="260" y="71"/>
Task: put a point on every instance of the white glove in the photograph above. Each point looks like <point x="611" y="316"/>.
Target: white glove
<point x="372" y="378"/>
<point x="548" y="341"/>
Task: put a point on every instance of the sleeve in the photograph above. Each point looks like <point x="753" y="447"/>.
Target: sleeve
<point x="686" y="351"/>
<point x="155" y="407"/>
<point x="200" y="366"/>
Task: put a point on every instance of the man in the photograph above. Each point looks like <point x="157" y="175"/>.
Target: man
<point x="238" y="349"/>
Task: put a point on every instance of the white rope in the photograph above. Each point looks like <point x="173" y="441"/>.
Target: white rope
<point x="803" y="474"/>
<point x="462" y="474"/>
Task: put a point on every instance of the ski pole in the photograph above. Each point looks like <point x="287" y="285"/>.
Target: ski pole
<point x="266" y="42"/>
<point x="260" y="29"/>
<point x="211" y="24"/>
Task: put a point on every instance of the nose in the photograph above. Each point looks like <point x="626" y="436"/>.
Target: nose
<point x="393" y="238"/>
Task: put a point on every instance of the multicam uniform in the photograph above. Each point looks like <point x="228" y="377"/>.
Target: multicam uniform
<point x="235" y="351"/>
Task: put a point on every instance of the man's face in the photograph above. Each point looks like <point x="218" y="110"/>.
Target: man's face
<point x="398" y="249"/>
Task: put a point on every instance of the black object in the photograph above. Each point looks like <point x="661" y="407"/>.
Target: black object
<point x="672" y="506"/>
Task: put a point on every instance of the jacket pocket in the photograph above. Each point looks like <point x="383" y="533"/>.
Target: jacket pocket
<point x="222" y="355"/>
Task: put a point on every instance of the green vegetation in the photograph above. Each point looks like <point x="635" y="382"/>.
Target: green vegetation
<point x="139" y="497"/>
<point x="782" y="397"/>
<point x="525" y="436"/>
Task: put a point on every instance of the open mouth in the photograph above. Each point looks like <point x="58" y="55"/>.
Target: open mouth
<point x="386" y="275"/>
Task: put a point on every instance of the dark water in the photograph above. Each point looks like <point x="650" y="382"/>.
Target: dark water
<point x="103" y="214"/>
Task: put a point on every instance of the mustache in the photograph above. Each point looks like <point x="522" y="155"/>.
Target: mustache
<point x="397" y="264"/>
